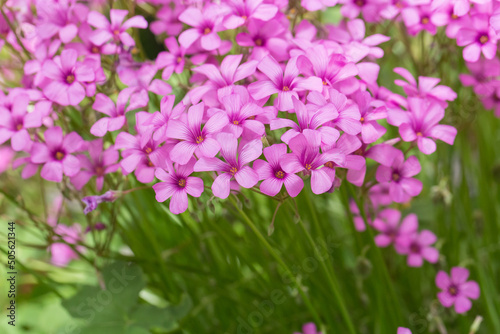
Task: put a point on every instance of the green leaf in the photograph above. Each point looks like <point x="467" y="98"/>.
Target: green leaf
<point x="116" y="308"/>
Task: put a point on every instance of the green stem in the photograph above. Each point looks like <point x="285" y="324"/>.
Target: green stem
<point x="332" y="283"/>
<point x="277" y="258"/>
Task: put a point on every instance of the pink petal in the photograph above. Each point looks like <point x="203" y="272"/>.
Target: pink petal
<point x="71" y="165"/>
<point x="470" y="289"/>
<point x="459" y="275"/>
<point x="443" y="280"/>
<point x="462" y="304"/>
<point x="179" y="202"/>
<point x="446" y="299"/>
<point x="52" y="171"/>
<point x="182" y="152"/>
<point x="221" y="186"/>
<point x="246" y="177"/>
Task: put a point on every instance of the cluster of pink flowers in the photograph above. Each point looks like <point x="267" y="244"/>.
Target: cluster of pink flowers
<point x="474" y="24"/>
<point x="268" y="104"/>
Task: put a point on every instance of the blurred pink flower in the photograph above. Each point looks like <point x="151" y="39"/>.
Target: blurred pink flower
<point x="56" y="154"/>
<point x="457" y="290"/>
<point x="116" y="29"/>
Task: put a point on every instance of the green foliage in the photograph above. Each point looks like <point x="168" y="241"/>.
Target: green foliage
<point x="115" y="309"/>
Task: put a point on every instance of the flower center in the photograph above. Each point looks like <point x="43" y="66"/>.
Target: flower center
<point x="360" y="3"/>
<point x="454" y="16"/>
<point x="244" y="17"/>
<point x="419" y="134"/>
<point x="182" y="183"/>
<point x="99" y="171"/>
<point x="415" y="248"/>
<point x="453" y="290"/>
<point x="425" y="20"/>
<point x="19" y="127"/>
<point x="483" y="39"/>
<point x="199" y="139"/>
<point x="95" y="49"/>
<point x="70" y="78"/>
<point x="59" y="155"/>
<point x="325" y="83"/>
<point x="329" y="164"/>
<point x="279" y="174"/>
<point x="179" y="59"/>
<point x="116" y="32"/>
<point x="308" y="166"/>
<point x="258" y="42"/>
<point x="207" y="31"/>
<point x="236" y="122"/>
<point x="233" y="170"/>
<point x="362" y="119"/>
<point x="150" y="164"/>
<point x="148" y="150"/>
<point x="286" y="88"/>
<point x="395" y="176"/>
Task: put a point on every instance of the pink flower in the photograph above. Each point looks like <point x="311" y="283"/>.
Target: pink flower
<point x="177" y="184"/>
<point x="478" y="38"/>
<point x="143" y="80"/>
<point x="403" y="330"/>
<point x="160" y="119"/>
<point x="483" y="77"/>
<point x="419" y="18"/>
<point x="359" y="223"/>
<point x="265" y="38"/>
<point x="91" y="202"/>
<point x="286" y="84"/>
<point x="62" y="253"/>
<point x="420" y="124"/>
<point x="387" y="223"/>
<point x="348" y="145"/>
<point x="116" y="114"/>
<point x="15" y="122"/>
<point x="6" y="155"/>
<point x="418" y="247"/>
<point x="349" y="117"/>
<point x="309" y="120"/>
<point x="399" y="176"/>
<point x="68" y="78"/>
<point x="242" y="112"/>
<point x="59" y="18"/>
<point x="116" y="29"/>
<point x="334" y="70"/>
<point x="235" y="165"/>
<point x="456" y="289"/>
<point x="369" y="8"/>
<point x="426" y="88"/>
<point x="173" y="60"/>
<point x="100" y="163"/>
<point x="354" y="42"/>
<point x="306" y="157"/>
<point x="242" y="11"/>
<point x="309" y="328"/>
<point x="273" y="175"/>
<point x="194" y="138"/>
<point x="141" y="154"/>
<point x="55" y="154"/>
<point x="370" y="111"/>
<point x="221" y="81"/>
<point x="314" y="5"/>
<point x="205" y="25"/>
